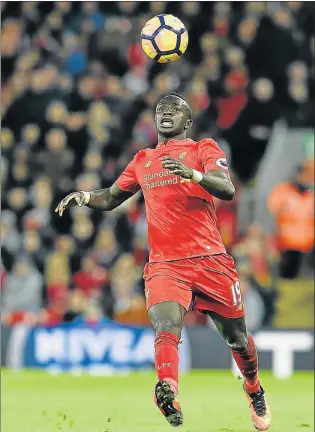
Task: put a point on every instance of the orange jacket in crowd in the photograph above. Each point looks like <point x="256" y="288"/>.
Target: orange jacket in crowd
<point x="294" y="215"/>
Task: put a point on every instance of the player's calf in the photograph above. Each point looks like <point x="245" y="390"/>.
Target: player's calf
<point x="246" y="359"/>
<point x="167" y="319"/>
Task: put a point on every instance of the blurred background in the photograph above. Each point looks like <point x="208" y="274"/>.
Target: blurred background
<point x="78" y="97"/>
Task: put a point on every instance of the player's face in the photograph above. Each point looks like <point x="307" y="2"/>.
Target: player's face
<point x="172" y="117"/>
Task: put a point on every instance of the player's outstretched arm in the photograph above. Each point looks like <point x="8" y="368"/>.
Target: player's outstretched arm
<point x="102" y="199"/>
<point x="216" y="182"/>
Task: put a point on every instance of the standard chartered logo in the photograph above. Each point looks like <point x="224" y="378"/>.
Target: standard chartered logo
<point x="158" y="176"/>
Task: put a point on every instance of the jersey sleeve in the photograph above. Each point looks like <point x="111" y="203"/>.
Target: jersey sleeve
<point x="211" y="156"/>
<point x="127" y="181"/>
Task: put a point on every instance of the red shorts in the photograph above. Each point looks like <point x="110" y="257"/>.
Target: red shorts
<point x="211" y="283"/>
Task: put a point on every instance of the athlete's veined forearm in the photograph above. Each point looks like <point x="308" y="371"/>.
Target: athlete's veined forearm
<point x="218" y="185"/>
<point x="108" y="199"/>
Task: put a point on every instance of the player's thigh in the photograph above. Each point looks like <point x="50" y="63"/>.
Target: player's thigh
<point x="168" y="300"/>
<point x="217" y="287"/>
<point x="168" y="295"/>
<point x="168" y="282"/>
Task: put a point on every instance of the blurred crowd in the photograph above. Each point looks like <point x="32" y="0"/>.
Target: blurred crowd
<point x="78" y="95"/>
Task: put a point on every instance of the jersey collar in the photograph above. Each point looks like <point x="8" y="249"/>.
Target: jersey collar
<point x="172" y="142"/>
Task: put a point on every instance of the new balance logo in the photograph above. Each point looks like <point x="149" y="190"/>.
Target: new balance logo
<point x="182" y="155"/>
<point x="146" y="165"/>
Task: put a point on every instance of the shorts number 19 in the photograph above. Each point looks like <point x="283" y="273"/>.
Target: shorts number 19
<point x="236" y="293"/>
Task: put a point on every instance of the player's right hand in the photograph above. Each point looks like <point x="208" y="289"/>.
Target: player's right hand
<point x="74" y="199"/>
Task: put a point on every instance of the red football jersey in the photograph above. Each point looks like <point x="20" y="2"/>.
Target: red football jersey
<point x="180" y="213"/>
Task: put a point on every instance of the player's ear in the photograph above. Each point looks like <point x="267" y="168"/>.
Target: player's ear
<point x="189" y="124"/>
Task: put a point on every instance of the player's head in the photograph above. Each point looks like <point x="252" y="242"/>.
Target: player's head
<point x="173" y="115"/>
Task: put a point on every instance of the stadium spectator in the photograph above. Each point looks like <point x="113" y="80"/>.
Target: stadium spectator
<point x="22" y="296"/>
<point x="91" y="278"/>
<point x="257" y="252"/>
<point x="57" y="304"/>
<point x="292" y="205"/>
<point x="7" y="141"/>
<point x="129" y="303"/>
<point x="253" y="302"/>
<point x="10" y="238"/>
<point x="56" y="160"/>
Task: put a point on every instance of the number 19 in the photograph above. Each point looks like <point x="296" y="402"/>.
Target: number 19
<point x="236" y="293"/>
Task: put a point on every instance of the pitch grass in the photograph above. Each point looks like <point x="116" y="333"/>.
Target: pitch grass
<point x="212" y="402"/>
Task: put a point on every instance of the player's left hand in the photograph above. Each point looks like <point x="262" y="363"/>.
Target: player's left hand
<point x="176" y="167"/>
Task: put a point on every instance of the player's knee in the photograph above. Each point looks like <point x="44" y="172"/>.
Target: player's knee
<point x="238" y="342"/>
<point x="170" y="325"/>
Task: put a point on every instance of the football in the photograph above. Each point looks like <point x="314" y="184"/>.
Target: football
<point x="164" y="38"/>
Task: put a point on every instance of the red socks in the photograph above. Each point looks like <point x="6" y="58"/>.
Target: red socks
<point x="166" y="358"/>
<point x="247" y="361"/>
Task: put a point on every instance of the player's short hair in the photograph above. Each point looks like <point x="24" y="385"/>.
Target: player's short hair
<point x="173" y="93"/>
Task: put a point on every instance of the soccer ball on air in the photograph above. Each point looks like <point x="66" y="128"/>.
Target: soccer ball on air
<point x="164" y="38"/>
